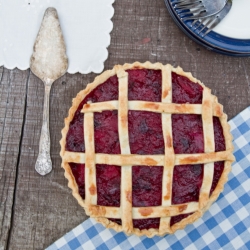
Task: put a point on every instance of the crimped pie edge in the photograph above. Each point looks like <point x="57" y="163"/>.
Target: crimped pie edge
<point x="71" y="180"/>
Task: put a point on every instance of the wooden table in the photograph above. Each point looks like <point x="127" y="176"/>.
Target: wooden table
<point x="34" y="210"/>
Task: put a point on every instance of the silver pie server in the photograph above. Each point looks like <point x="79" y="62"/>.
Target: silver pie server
<point x="48" y="62"/>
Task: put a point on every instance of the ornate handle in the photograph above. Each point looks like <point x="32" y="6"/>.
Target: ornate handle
<point x="43" y="163"/>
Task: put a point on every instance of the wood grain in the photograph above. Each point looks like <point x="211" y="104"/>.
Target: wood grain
<point x="12" y="107"/>
<point x="43" y="208"/>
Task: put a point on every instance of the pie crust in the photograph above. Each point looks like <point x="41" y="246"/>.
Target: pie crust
<point x="209" y="108"/>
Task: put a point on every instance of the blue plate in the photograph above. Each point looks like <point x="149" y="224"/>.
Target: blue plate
<point x="212" y="41"/>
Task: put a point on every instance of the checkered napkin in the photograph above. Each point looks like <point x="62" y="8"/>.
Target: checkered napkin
<point x="226" y="225"/>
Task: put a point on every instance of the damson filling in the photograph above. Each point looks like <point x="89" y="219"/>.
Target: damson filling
<point x="144" y="85"/>
<point x="187" y="134"/>
<point x="108" y="181"/>
<point x="145" y="137"/>
<point x="218" y="169"/>
<point x="220" y="145"/>
<point x="107" y="91"/>
<point x="178" y="218"/>
<point x="145" y="133"/>
<point x="106" y="132"/>
<point x="78" y="170"/>
<point x="146" y="223"/>
<point x="185" y="91"/>
<point x="218" y="135"/>
<point x="187" y="180"/>
<point x="142" y="223"/>
<point x="146" y="186"/>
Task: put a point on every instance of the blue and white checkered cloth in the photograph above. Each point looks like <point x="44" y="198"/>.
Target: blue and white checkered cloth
<point x="226" y="225"/>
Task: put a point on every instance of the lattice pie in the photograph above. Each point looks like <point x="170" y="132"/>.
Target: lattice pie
<point x="146" y="148"/>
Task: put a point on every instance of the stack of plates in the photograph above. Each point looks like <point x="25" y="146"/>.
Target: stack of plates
<point x="230" y="37"/>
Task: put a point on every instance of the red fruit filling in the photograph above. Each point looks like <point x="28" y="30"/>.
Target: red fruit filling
<point x="78" y="170"/>
<point x="187" y="134"/>
<point x="146" y="186"/>
<point x="187" y="180"/>
<point x="218" y="169"/>
<point x="145" y="137"/>
<point x="146" y="223"/>
<point x="106" y="132"/>
<point x="108" y="180"/>
<point x="185" y="91"/>
<point x="220" y="145"/>
<point x="144" y="85"/>
<point x="107" y="91"/>
<point x="178" y="218"/>
<point x="141" y="223"/>
<point x="145" y="133"/>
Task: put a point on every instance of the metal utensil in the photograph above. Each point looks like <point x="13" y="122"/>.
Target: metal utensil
<point x="211" y="22"/>
<point x="48" y="62"/>
<point x="195" y="9"/>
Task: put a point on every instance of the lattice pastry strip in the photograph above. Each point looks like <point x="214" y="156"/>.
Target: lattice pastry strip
<point x="169" y="160"/>
<point x="144" y="212"/>
<point x="208" y="132"/>
<point x="209" y="108"/>
<point x="150" y="160"/>
<point x="90" y="168"/>
<point x="168" y="108"/>
<point x="126" y="181"/>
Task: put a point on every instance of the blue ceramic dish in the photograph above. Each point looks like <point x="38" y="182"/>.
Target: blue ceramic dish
<point x="212" y="41"/>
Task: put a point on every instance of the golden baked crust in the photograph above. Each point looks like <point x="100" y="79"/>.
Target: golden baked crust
<point x="209" y="108"/>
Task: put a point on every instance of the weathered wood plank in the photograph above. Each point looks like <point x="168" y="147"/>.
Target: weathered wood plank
<point x="44" y="206"/>
<point x="12" y="106"/>
<point x="143" y="30"/>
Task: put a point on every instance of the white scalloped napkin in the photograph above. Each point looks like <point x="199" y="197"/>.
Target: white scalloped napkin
<point x="86" y="25"/>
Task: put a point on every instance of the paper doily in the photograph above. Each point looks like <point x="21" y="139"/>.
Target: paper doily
<point x="86" y="25"/>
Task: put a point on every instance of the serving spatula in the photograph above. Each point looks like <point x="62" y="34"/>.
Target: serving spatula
<point x="48" y="62"/>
